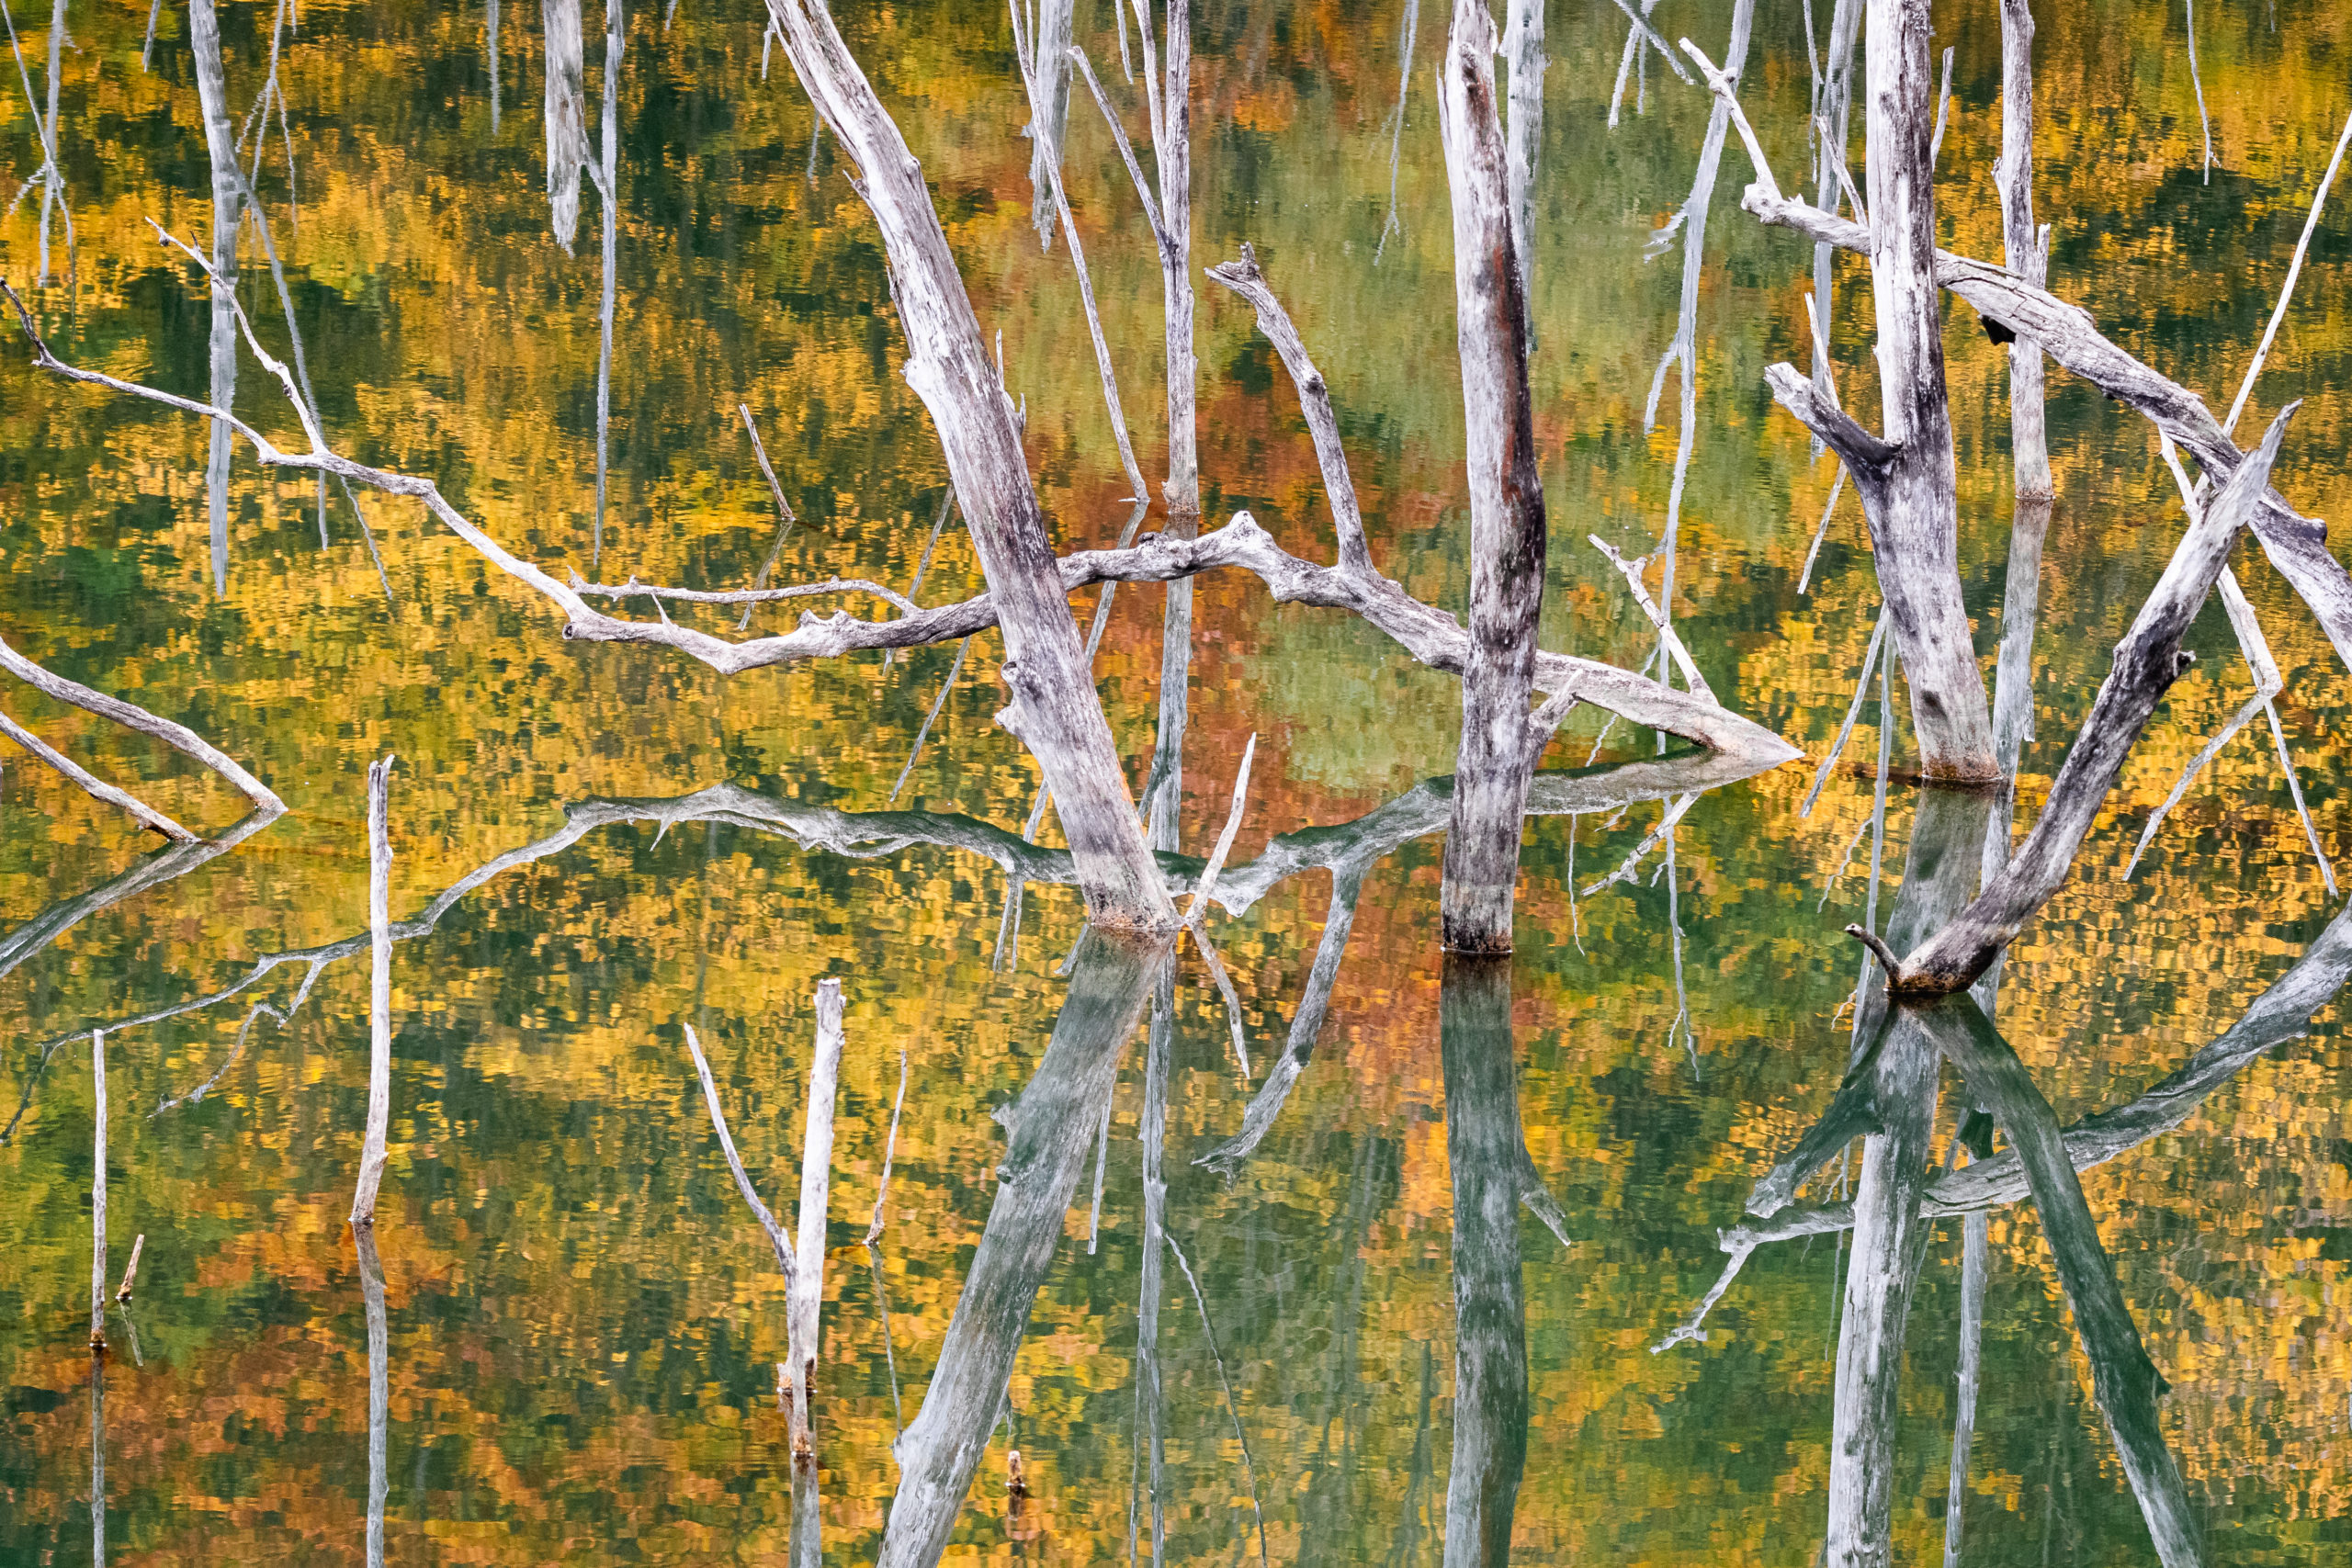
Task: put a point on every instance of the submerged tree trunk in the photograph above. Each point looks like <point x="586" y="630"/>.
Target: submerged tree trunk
<point x="1054" y="710"/>
<point x="567" y="116"/>
<point x="1915" y="527"/>
<point x="1050" y="1133"/>
<point x="2124" y="1379"/>
<point x="1485" y="1153"/>
<point x="1048" y="110"/>
<point x="2026" y="250"/>
<point x="1507" y="523"/>
<point x="228" y="217"/>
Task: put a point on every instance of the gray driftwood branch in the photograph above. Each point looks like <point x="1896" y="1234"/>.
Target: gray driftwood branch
<point x="1432" y="636"/>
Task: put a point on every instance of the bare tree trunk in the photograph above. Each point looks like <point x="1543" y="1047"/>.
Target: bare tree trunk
<point x="1834" y="114"/>
<point x="98" y="1190"/>
<point x="2026" y="250"/>
<point x="805" y="1298"/>
<point x="1172" y="144"/>
<point x="1485" y="1153"/>
<point x="2147" y="661"/>
<point x="1050" y="1132"/>
<point x="228" y="217"/>
<point x="1507" y="523"/>
<point x="1048" y="86"/>
<point x="379" y="997"/>
<point x="567" y="116"/>
<point x="607" y="199"/>
<point x="1054" y="710"/>
<point x="1523" y="45"/>
<point x="1915" y="529"/>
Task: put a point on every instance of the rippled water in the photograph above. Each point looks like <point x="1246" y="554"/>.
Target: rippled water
<point x="597" y="845"/>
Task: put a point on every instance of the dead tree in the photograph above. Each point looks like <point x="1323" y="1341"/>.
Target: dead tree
<point x="1053" y="709"/>
<point x="2025" y="248"/>
<point x="2147" y="661"/>
<point x="1906" y="478"/>
<point x="379" y="997"/>
<point x="228" y="220"/>
<point x="1486" y="1158"/>
<point x="1499" y="746"/>
<point x="1050" y="1131"/>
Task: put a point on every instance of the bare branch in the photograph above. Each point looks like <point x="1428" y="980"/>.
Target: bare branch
<point x="91" y="783"/>
<point x="1244" y="278"/>
<point x="776" y="1238"/>
<point x="132" y="716"/>
<point x="1632" y="573"/>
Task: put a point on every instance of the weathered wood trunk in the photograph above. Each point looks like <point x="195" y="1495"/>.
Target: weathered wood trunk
<point x="1048" y="111"/>
<point x="2025" y="249"/>
<point x="567" y="116"/>
<point x="1523" y="47"/>
<point x="99" y="1190"/>
<point x="380" y="998"/>
<point x="1484" y="1152"/>
<point x="1050" y="1131"/>
<point x="228" y="217"/>
<point x="1835" y="110"/>
<point x="1915" y="529"/>
<point x="805" y="1300"/>
<point x="1172" y="147"/>
<point x="2147" y="661"/>
<point x="1171" y="138"/>
<point x="1507" y="523"/>
<point x="1053" y="710"/>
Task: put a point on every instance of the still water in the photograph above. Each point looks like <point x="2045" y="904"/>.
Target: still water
<point x="1249" y="1279"/>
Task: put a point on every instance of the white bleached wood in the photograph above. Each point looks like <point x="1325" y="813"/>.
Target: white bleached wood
<point x="372" y="1154"/>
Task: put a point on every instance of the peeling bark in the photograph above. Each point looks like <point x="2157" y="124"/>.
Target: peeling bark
<point x="1915" y="526"/>
<point x="1507" y="521"/>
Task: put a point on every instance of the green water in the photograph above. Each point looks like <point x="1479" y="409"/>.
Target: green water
<point x="583" y="1319"/>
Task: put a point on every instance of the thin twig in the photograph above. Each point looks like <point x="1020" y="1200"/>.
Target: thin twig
<point x="776" y="1238"/>
<point x="932" y="717"/>
<point x="889" y="1148"/>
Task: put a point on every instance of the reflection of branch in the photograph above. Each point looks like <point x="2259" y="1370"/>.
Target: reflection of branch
<point x="1431" y="634"/>
<point x="131" y="715"/>
<point x="2122" y="1377"/>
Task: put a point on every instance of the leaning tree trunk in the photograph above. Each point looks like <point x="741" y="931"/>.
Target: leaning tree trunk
<point x="2026" y="250"/>
<point x="1054" y="709"/>
<point x="1507" y="528"/>
<point x="1914" y="530"/>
